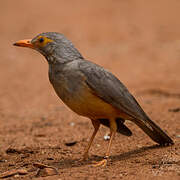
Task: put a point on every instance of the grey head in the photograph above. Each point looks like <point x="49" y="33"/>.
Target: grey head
<point x="55" y="47"/>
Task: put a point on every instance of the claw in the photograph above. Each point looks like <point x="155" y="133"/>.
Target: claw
<point x="101" y="163"/>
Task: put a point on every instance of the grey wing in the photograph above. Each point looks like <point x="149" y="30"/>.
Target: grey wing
<point x="106" y="86"/>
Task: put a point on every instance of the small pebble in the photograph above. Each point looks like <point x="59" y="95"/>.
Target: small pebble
<point x="70" y="143"/>
<point x="106" y="137"/>
<point x="46" y="172"/>
<point x="72" y="124"/>
<point x="16" y="176"/>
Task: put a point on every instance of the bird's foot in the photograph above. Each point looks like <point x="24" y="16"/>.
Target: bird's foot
<point x="101" y="163"/>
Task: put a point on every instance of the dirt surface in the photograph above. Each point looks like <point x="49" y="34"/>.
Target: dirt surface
<point x="139" y="41"/>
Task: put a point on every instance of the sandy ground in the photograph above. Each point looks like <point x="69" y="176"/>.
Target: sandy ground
<point x="139" y="41"/>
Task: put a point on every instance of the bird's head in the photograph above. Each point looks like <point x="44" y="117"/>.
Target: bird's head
<point x="54" y="46"/>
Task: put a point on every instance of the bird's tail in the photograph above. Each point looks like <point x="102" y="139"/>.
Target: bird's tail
<point x="154" y="131"/>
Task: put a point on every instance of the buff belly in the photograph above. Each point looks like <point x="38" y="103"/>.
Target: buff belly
<point x="87" y="104"/>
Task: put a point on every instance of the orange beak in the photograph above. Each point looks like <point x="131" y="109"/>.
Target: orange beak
<point x="24" y="43"/>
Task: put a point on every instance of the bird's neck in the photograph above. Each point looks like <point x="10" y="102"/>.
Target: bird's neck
<point x="57" y="59"/>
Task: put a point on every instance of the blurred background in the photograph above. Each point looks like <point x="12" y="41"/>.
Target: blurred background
<point x="137" y="40"/>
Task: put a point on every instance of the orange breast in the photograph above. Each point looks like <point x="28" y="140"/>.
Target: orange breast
<point x="87" y="104"/>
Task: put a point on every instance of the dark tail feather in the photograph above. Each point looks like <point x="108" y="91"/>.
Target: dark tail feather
<point x="154" y="131"/>
<point x="121" y="128"/>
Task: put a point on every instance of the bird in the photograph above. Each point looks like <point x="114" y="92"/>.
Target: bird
<point x="92" y="91"/>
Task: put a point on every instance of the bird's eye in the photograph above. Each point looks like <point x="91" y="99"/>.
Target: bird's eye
<point x="41" y="40"/>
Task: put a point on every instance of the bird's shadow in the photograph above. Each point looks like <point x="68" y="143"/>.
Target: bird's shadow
<point x="69" y="163"/>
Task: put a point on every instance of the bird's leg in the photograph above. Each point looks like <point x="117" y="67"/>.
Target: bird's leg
<point x="96" y="124"/>
<point x="113" y="128"/>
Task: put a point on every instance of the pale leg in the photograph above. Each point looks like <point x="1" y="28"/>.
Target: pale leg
<point x="96" y="125"/>
<point x="113" y="128"/>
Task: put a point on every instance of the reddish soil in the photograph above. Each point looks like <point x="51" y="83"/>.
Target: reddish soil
<point x="139" y="41"/>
